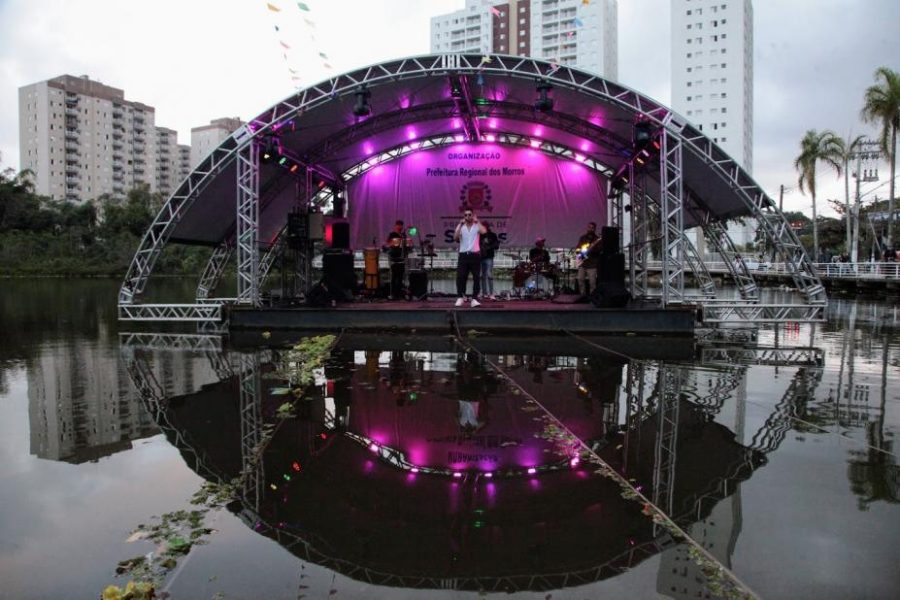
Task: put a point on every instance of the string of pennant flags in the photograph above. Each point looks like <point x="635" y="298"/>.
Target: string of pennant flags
<point x="554" y="64"/>
<point x="297" y="46"/>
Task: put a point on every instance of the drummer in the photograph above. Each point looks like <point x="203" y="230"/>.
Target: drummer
<point x="539" y="255"/>
<point x="397" y="246"/>
<point x="540" y="261"/>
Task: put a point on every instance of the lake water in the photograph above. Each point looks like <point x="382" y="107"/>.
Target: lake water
<point x="433" y="467"/>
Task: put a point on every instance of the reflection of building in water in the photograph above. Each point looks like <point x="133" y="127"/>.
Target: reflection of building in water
<point x="82" y="406"/>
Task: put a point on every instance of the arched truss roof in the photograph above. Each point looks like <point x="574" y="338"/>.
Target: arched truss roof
<point x="434" y="96"/>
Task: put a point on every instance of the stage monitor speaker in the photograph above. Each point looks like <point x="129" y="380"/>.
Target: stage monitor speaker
<point x="340" y="234"/>
<point x="610" y="294"/>
<point x="611" y="268"/>
<point x="418" y="283"/>
<point x="609" y="243"/>
<point x="337" y="272"/>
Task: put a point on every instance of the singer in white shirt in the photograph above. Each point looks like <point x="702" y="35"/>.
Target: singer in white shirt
<point x="468" y="233"/>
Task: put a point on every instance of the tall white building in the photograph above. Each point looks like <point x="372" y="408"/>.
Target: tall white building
<point x="712" y="77"/>
<point x="173" y="161"/>
<point x="82" y="139"/>
<point x="567" y="32"/>
<point x="206" y="138"/>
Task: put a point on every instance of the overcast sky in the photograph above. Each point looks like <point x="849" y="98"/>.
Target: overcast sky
<point x="195" y="60"/>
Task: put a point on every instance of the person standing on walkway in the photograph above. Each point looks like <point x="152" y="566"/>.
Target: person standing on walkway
<point x="468" y="234"/>
<point x="489" y="244"/>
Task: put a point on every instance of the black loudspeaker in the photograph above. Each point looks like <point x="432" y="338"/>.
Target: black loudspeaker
<point x="340" y="234"/>
<point x="297" y="229"/>
<point x="610" y="294"/>
<point x="337" y="273"/>
<point x="609" y="243"/>
<point x="611" y="268"/>
<point x="418" y="283"/>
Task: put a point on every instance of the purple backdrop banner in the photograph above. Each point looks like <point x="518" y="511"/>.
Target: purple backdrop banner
<point x="522" y="192"/>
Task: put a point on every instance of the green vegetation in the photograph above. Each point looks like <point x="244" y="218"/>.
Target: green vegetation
<point x="882" y="106"/>
<point x="41" y="236"/>
<point x="817" y="147"/>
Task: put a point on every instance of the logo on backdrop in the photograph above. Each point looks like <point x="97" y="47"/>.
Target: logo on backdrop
<point x="475" y="195"/>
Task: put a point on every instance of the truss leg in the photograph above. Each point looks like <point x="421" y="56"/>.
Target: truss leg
<point x="248" y="224"/>
<point x="640" y="239"/>
<point x="251" y="429"/>
<point x="212" y="274"/>
<point x="717" y="234"/>
<point x="672" y="219"/>
<point x="666" y="437"/>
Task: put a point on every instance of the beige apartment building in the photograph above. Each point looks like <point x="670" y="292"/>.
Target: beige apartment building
<point x="206" y="138"/>
<point x="83" y="139"/>
<point x="173" y="161"/>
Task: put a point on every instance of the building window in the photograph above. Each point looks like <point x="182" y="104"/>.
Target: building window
<point x="689" y="26"/>
<point x="689" y="69"/>
<point x="521" y="44"/>
<point x="689" y="84"/>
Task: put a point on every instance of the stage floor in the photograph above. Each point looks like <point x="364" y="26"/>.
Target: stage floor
<point x="440" y="314"/>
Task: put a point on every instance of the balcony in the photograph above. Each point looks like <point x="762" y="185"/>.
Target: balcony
<point x="72" y="197"/>
<point x="72" y="172"/>
<point x="118" y="165"/>
<point x="117" y="134"/>
<point x="71" y="134"/>
<point x="118" y="176"/>
<point x="138" y="170"/>
<point x="71" y="112"/>
<point x="117" y="145"/>
<point x="72" y="182"/>
<point x="72" y="148"/>
<point x="71" y="99"/>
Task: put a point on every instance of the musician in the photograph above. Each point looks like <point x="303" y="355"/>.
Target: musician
<point x="397" y="247"/>
<point x="489" y="244"/>
<point x="538" y="254"/>
<point x="588" y="259"/>
<point x="468" y="234"/>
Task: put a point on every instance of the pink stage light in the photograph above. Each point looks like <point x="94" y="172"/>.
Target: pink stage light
<point x="492" y="123"/>
<point x="410" y="133"/>
<point x="574" y="462"/>
<point x="368" y="148"/>
<point x="490" y="138"/>
<point x="539" y="131"/>
<point x="457" y="474"/>
<point x="414" y="470"/>
<point x="488" y="474"/>
<point x="585" y="146"/>
<point x="532" y="470"/>
<point x="456" y="123"/>
<point x="374" y="447"/>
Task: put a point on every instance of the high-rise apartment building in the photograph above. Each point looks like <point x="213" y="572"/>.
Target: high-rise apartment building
<point x="712" y="77"/>
<point x="82" y="139"/>
<point x="173" y="161"/>
<point x="567" y="32"/>
<point x="206" y="138"/>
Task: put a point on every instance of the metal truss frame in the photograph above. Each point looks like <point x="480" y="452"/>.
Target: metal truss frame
<point x="215" y="268"/>
<point x="716" y="234"/>
<point x="251" y="428"/>
<point x="665" y="454"/>
<point x="640" y="242"/>
<point x="774" y="430"/>
<point x="248" y="224"/>
<point x="170" y="312"/>
<point x="683" y="136"/>
<point x="732" y="312"/>
<point x="171" y="341"/>
<point x="672" y="219"/>
<point x="782" y="357"/>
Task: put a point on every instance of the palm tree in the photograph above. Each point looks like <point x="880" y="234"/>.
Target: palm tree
<point x="814" y="147"/>
<point x="848" y="149"/>
<point x="882" y="106"/>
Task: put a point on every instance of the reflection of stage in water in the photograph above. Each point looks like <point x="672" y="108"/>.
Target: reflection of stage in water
<point x="383" y="462"/>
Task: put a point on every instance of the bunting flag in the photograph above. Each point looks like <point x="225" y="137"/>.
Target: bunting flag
<point x="297" y="40"/>
<point x="585" y="2"/>
<point x="579" y="22"/>
<point x="496" y="11"/>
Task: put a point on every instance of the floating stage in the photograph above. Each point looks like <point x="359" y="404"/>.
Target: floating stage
<point x="500" y="316"/>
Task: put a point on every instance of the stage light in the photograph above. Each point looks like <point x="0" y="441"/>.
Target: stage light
<point x="490" y="138"/>
<point x="269" y="151"/>
<point x="282" y="160"/>
<point x="412" y="230"/>
<point x="574" y="461"/>
<point x="532" y="470"/>
<point x="373" y="447"/>
<point x="489" y="474"/>
<point x="455" y="89"/>
<point x="457" y="474"/>
<point x="362" y="108"/>
<point x="294" y="168"/>
<point x="544" y="103"/>
<point x="643" y="133"/>
<point x="414" y="470"/>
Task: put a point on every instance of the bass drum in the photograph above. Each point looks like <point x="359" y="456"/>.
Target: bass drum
<point x="521" y="274"/>
<point x="538" y="285"/>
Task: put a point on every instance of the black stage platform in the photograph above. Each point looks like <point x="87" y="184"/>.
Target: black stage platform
<point x="507" y="316"/>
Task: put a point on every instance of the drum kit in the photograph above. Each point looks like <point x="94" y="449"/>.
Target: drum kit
<point x="537" y="280"/>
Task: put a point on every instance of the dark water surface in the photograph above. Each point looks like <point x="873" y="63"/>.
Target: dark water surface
<point x="420" y="466"/>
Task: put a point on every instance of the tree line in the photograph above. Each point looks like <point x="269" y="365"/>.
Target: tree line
<point x="42" y="236"/>
<point x="881" y="107"/>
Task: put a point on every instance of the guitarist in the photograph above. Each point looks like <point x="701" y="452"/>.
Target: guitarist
<point x="587" y="259"/>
